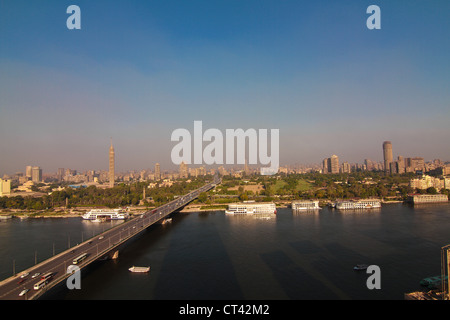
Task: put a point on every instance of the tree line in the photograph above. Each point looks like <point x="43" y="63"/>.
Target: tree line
<point x="119" y="196"/>
<point x="363" y="184"/>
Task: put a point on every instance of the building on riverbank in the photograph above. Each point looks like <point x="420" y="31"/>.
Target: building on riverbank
<point x="427" y="198"/>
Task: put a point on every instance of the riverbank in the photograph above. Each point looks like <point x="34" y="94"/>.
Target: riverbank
<point x="59" y="213"/>
<point x="197" y="207"/>
<point x="26" y="215"/>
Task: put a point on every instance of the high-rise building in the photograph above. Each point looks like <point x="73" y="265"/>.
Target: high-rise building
<point x="346" y="167"/>
<point x="325" y="165"/>
<point x="111" y="166"/>
<point x="60" y="174"/>
<point x="387" y="156"/>
<point x="331" y="165"/>
<point x="28" y="171"/>
<point x="157" y="172"/>
<point x="398" y="166"/>
<point x="334" y="164"/>
<point x="36" y="174"/>
<point x="417" y="163"/>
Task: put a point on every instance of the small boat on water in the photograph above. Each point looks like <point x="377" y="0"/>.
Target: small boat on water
<point x="139" y="269"/>
<point x="168" y="220"/>
<point x="360" y="267"/>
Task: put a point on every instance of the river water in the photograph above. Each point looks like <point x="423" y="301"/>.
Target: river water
<point x="211" y="255"/>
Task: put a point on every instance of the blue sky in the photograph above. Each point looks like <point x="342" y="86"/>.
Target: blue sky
<point x="137" y="70"/>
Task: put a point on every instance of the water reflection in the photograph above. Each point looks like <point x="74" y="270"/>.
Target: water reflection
<point x="92" y="228"/>
<point x="297" y="212"/>
<point x="270" y="217"/>
<point x="428" y="206"/>
<point x="359" y="211"/>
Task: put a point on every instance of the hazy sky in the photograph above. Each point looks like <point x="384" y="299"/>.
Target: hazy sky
<point x="138" y="70"/>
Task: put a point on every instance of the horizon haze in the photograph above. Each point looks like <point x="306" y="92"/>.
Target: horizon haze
<point x="138" y="70"/>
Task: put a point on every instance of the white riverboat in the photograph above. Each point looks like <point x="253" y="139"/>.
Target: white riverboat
<point x="248" y="207"/>
<point x="105" y="214"/>
<point x="139" y="269"/>
<point x="358" y="204"/>
<point x="305" y="205"/>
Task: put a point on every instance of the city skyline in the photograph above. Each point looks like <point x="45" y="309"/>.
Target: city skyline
<point x="389" y="165"/>
<point x="109" y="162"/>
<point x="138" y="71"/>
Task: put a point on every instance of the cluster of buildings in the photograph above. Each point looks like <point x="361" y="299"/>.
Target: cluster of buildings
<point x="331" y="165"/>
<point x="437" y="169"/>
<point x="389" y="165"/>
<point x="404" y="165"/>
<point x="33" y="174"/>
<point x="425" y="181"/>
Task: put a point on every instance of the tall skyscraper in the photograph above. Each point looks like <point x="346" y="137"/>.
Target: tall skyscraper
<point x="60" y="174"/>
<point x="325" y="165"/>
<point x="36" y="174"/>
<point x="111" y="166"/>
<point x="387" y="156"/>
<point x="331" y="165"/>
<point x="334" y="164"/>
<point x="28" y="171"/>
<point x="157" y="172"/>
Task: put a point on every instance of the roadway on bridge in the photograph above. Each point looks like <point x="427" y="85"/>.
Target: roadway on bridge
<point x="95" y="248"/>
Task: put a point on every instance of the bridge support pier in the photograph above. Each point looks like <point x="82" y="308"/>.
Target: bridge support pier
<point x="115" y="255"/>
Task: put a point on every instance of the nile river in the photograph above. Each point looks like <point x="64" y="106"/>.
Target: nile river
<point x="211" y="255"/>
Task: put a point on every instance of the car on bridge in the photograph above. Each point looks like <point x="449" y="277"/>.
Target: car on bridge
<point x="23" y="292"/>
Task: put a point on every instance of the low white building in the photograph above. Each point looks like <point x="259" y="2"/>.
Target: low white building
<point x="305" y="205"/>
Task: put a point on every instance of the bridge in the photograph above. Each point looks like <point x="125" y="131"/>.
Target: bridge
<point x="101" y="246"/>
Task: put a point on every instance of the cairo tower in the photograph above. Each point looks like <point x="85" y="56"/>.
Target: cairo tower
<point x="111" y="166"/>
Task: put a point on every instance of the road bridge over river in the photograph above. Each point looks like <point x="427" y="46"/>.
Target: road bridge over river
<point x="101" y="246"/>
